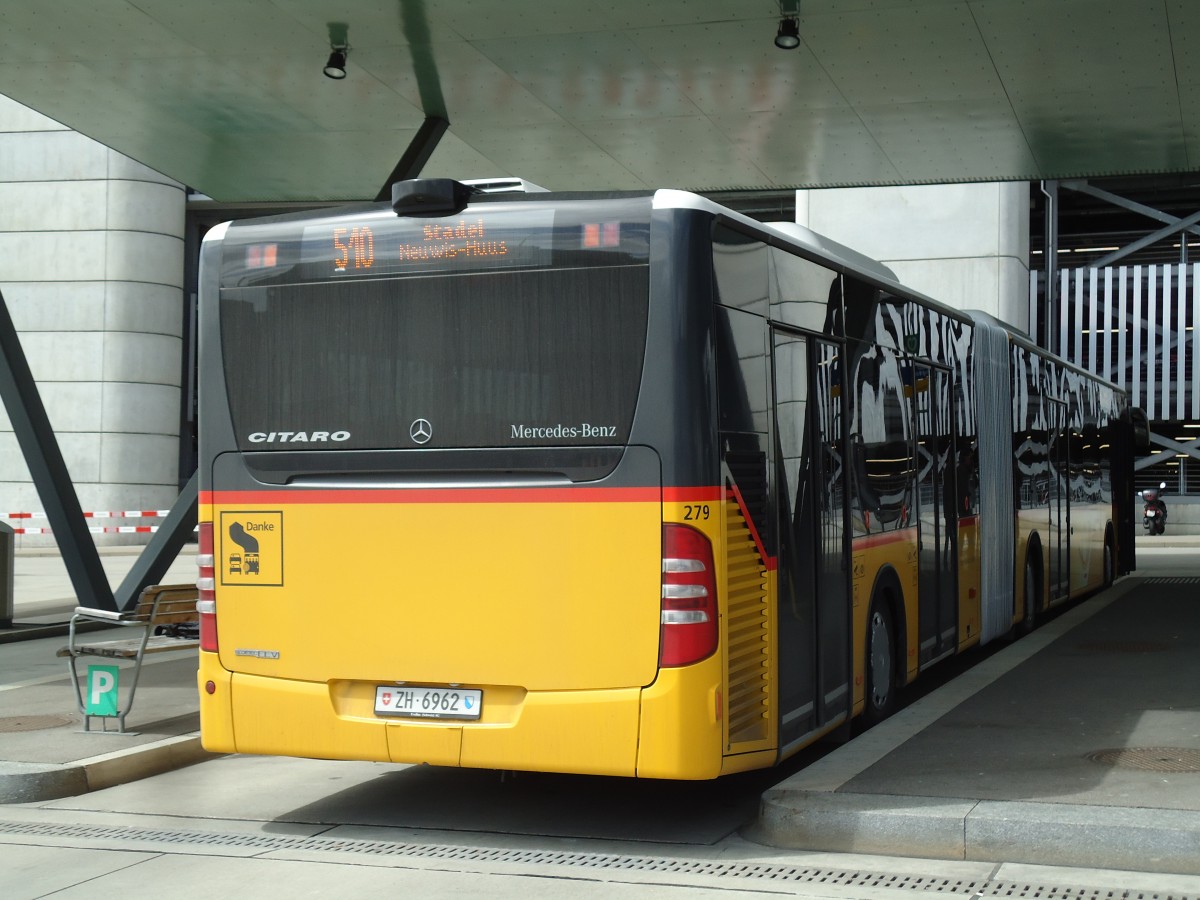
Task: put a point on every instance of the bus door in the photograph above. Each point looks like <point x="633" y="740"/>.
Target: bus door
<point x="814" y="572"/>
<point x="1059" y="500"/>
<point x="937" y="514"/>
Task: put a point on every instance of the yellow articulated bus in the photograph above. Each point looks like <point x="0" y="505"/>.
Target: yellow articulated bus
<point x="621" y="484"/>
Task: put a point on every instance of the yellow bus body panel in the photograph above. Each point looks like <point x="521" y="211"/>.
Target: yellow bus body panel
<point x="681" y="732"/>
<point x="216" y="710"/>
<point x="1088" y="522"/>
<point x="669" y="727"/>
<point x="970" y="597"/>
<point x="541" y="596"/>
<point x="1029" y="523"/>
<point x="551" y="609"/>
<point x="590" y="732"/>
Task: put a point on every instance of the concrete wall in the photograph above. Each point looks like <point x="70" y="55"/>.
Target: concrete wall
<point x="91" y="267"/>
<point x="966" y="245"/>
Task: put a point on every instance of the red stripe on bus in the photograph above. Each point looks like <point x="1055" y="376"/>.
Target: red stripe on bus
<point x="710" y="494"/>
<point x="770" y="562"/>
<point x="438" y="495"/>
<point x="865" y="542"/>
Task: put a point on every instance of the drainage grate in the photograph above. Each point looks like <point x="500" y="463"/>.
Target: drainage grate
<point x="10" y="724"/>
<point x="610" y="864"/>
<point x="1172" y="579"/>
<point x="1177" y="760"/>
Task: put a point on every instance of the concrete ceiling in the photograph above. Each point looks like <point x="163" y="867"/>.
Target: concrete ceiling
<point x="228" y="96"/>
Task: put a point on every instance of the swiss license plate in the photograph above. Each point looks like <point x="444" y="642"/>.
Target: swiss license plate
<point x="428" y="702"/>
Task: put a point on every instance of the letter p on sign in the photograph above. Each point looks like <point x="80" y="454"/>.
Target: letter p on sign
<point x="102" y="690"/>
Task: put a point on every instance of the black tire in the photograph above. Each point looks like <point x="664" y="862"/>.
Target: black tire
<point x="1110" y="572"/>
<point x="1032" y="598"/>
<point x="882" y="684"/>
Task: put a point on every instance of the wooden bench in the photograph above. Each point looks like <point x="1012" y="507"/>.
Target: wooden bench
<point x="172" y="606"/>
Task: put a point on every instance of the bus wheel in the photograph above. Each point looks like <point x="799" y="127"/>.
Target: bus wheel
<point x="1031" y="598"/>
<point x="1109" y="571"/>
<point x="881" y="664"/>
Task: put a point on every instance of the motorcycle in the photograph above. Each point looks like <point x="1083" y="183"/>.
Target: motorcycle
<point x="1154" y="514"/>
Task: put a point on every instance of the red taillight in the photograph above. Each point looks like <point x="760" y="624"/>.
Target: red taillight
<point x="689" y="597"/>
<point x="207" y="585"/>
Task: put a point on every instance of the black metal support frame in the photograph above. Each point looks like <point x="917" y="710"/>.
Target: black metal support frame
<point x="40" y="448"/>
<point x="1174" y="223"/>
<point x="423" y="144"/>
<point x="414" y="23"/>
<point x="154" y="560"/>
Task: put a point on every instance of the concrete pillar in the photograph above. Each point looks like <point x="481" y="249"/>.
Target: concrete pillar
<point x="965" y="245"/>
<point x="91" y="265"/>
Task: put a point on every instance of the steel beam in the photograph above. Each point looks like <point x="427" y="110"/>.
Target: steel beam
<point x="1190" y="450"/>
<point x="164" y="546"/>
<point x="414" y="22"/>
<point x="40" y="449"/>
<point x="1150" y="212"/>
<point x="1153" y="238"/>
<point x="423" y="144"/>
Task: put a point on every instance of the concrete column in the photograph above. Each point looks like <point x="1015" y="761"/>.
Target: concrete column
<point x="91" y="265"/>
<point x="965" y="245"/>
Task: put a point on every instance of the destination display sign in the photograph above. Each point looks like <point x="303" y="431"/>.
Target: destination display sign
<point x="381" y="245"/>
<point x="371" y="243"/>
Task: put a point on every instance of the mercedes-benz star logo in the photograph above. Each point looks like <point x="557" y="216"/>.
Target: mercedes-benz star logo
<point x="420" y="431"/>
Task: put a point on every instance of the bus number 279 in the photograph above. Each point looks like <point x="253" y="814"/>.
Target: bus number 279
<point x="696" y="513"/>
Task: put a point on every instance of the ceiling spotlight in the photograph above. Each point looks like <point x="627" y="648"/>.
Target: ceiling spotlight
<point x="335" y="67"/>
<point x="788" y="35"/>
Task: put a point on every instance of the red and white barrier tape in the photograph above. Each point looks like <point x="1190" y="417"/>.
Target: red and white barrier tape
<point x="126" y="514"/>
<point x="118" y="529"/>
<point x="96" y="529"/>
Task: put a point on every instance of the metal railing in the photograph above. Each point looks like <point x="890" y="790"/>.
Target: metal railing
<point x="1134" y="325"/>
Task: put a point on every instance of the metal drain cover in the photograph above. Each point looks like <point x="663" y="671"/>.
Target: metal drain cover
<point x="10" y="724"/>
<point x="1150" y="759"/>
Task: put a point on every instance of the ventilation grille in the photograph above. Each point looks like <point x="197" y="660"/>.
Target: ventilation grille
<point x="748" y="634"/>
<point x="749" y="473"/>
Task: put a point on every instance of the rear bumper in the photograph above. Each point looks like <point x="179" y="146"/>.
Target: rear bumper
<point x="669" y="730"/>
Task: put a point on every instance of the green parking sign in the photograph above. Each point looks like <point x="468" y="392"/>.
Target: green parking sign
<point x="102" y="690"/>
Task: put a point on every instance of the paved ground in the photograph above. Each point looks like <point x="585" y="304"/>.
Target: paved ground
<point x="1003" y="764"/>
<point x="1078" y="745"/>
<point x="44" y="751"/>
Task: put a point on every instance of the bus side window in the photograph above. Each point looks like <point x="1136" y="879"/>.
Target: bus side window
<point x="868" y="500"/>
